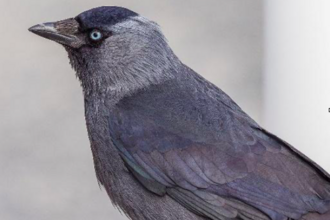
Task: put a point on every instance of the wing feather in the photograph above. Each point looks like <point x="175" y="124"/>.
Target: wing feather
<point x="248" y="170"/>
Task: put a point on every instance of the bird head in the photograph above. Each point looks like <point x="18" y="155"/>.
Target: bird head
<point x="113" y="46"/>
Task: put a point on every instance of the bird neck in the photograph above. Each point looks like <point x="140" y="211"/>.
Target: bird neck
<point x="114" y="79"/>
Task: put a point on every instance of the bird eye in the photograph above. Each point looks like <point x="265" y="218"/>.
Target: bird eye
<point x="95" y="35"/>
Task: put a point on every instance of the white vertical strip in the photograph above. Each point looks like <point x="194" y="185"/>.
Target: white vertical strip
<point x="297" y="75"/>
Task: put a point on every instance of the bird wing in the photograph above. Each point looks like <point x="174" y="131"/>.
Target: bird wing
<point x="236" y="171"/>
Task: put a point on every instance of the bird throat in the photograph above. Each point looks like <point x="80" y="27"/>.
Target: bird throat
<point x="116" y="80"/>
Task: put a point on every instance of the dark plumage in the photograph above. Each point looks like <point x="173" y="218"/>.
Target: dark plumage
<point x="103" y="16"/>
<point x="167" y="144"/>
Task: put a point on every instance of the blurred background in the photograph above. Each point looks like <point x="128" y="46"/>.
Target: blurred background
<point x="271" y="57"/>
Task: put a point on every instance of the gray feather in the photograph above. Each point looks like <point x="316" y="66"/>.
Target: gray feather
<point x="168" y="144"/>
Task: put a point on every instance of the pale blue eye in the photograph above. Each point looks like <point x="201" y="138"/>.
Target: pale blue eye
<point x="95" y="35"/>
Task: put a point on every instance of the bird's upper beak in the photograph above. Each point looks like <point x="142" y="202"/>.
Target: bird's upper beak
<point x="65" y="32"/>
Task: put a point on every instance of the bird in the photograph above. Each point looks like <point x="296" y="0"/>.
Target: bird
<point x="167" y="144"/>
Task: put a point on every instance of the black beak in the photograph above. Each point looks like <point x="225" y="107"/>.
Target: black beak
<point x="58" y="32"/>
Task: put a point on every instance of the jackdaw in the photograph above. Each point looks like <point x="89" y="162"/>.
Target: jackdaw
<point x="168" y="144"/>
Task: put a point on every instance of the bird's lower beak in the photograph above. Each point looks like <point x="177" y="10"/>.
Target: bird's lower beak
<point x="63" y="32"/>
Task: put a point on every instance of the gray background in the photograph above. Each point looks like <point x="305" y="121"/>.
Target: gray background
<point x="45" y="159"/>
